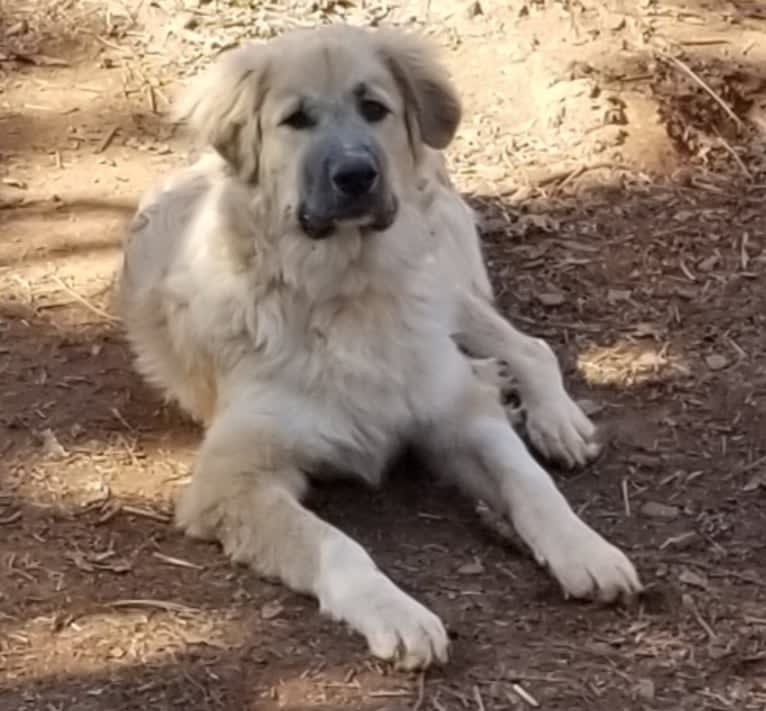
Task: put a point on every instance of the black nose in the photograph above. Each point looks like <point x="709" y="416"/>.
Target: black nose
<point x="354" y="176"/>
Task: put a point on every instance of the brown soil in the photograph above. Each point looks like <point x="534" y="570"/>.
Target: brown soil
<point x="615" y="153"/>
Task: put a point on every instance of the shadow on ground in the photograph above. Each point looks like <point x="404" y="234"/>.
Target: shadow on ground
<point x="668" y="272"/>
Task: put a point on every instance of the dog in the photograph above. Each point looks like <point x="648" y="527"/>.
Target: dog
<point x="307" y="290"/>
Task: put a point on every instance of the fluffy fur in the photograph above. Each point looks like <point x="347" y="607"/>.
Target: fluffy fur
<point x="303" y="357"/>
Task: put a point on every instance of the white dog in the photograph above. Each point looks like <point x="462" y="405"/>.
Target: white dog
<point x="301" y="292"/>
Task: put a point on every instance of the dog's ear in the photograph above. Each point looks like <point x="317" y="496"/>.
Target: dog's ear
<point x="425" y="84"/>
<point x="221" y="107"/>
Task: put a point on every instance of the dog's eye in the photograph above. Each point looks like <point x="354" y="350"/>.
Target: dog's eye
<point x="299" y="120"/>
<point x="373" y="111"/>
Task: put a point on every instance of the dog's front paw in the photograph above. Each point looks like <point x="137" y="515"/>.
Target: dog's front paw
<point x="588" y="566"/>
<point x="397" y="627"/>
<point x="560" y="430"/>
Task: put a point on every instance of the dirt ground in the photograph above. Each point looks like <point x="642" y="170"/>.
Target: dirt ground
<point x="616" y="153"/>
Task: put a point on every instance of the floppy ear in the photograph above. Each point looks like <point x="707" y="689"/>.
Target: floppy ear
<point x="425" y="84"/>
<point x="221" y="107"/>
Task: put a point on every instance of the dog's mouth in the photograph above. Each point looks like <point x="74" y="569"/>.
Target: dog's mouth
<point x="319" y="225"/>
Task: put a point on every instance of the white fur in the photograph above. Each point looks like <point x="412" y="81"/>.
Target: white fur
<point x="317" y="357"/>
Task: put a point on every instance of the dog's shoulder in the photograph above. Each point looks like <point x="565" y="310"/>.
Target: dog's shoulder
<point x="457" y="255"/>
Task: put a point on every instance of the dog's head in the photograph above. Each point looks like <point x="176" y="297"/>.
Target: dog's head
<point x="330" y="123"/>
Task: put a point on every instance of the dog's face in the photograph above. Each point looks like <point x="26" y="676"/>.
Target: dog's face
<point x="328" y="123"/>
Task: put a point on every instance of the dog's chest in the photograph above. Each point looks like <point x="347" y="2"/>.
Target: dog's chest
<point x="382" y="354"/>
<point x="373" y="344"/>
<point x="358" y="377"/>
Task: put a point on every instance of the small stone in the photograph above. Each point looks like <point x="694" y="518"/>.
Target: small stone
<point x="494" y="172"/>
<point x="475" y="568"/>
<point x="654" y="509"/>
<point x="614" y="296"/>
<point x="473" y="9"/>
<point x="51" y="446"/>
<point x="645" y="689"/>
<point x="756" y="481"/>
<point x="716" y="361"/>
<point x="590" y="407"/>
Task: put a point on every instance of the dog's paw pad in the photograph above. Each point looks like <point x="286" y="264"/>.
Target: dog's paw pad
<point x="494" y="372"/>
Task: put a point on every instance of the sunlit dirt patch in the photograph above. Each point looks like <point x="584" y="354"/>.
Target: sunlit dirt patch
<point x="629" y="363"/>
<point x="124" y="631"/>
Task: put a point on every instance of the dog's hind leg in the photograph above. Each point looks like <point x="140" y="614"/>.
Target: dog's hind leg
<point x="555" y="424"/>
<point x="245" y="491"/>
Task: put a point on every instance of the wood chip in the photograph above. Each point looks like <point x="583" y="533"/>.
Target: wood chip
<point x="14" y="183"/>
<point x="681" y="542"/>
<point x="145" y="513"/>
<point x="475" y="568"/>
<point x="551" y="298"/>
<point x="522" y="693"/>
<point x="107" y="139"/>
<point x="272" y="609"/>
<point x="178" y="562"/>
<point x="689" y="577"/>
<point x="654" y="509"/>
<point x="11" y="518"/>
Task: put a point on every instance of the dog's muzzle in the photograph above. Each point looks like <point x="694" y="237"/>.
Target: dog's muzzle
<point x="355" y="176"/>
<point x="345" y="184"/>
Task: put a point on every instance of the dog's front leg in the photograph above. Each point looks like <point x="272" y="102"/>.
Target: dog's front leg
<point x="556" y="425"/>
<point x="245" y="491"/>
<point x="479" y="449"/>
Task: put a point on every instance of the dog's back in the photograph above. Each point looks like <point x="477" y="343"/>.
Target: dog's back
<point x="155" y="247"/>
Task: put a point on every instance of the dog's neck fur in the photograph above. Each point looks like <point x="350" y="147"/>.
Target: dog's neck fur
<point x="351" y="263"/>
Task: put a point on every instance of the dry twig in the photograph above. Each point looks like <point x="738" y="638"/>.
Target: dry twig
<point x="82" y="300"/>
<point x="686" y="69"/>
